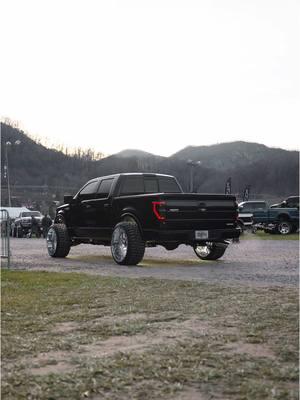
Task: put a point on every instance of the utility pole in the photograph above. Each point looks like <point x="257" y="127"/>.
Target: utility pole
<point x="8" y="144"/>
<point x="7" y="173"/>
<point x="192" y="164"/>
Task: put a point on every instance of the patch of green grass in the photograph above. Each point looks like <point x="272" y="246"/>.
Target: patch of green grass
<point x="225" y="342"/>
<point x="268" y="236"/>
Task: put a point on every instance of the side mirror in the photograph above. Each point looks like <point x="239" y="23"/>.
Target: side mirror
<point x="68" y="199"/>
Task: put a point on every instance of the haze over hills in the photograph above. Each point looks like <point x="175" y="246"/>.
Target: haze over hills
<point x="45" y="174"/>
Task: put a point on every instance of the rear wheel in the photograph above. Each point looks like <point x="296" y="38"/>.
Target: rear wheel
<point x="58" y="242"/>
<point x="127" y="245"/>
<point x="210" y="251"/>
<point x="284" y="227"/>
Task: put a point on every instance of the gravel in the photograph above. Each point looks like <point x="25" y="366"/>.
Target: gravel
<point x="249" y="262"/>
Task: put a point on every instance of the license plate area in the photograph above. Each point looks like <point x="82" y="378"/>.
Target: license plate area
<point x="200" y="235"/>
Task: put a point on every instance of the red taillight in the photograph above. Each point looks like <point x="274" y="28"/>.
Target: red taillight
<point x="156" y="205"/>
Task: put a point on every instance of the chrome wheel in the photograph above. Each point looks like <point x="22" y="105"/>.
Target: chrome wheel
<point x="119" y="244"/>
<point x="203" y="251"/>
<point x="284" y="228"/>
<point x="51" y="241"/>
<point x="211" y="250"/>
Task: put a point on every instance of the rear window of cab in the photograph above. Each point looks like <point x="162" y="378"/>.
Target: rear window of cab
<point x="142" y="184"/>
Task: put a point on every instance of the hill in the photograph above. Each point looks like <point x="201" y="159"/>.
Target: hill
<point x="269" y="171"/>
<point x="235" y="154"/>
<point x="41" y="175"/>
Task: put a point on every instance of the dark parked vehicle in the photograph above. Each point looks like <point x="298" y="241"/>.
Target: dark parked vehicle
<point x="131" y="211"/>
<point x="23" y="224"/>
<point x="290" y="202"/>
<point x="283" y="220"/>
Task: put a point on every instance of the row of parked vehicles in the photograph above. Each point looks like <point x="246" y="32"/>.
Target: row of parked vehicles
<point x="29" y="222"/>
<point x="132" y="211"/>
<point x="282" y="218"/>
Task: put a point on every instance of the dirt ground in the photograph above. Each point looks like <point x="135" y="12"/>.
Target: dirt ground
<point x="75" y="336"/>
<point x="249" y="262"/>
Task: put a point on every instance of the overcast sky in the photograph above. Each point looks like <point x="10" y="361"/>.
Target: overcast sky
<point x="152" y="75"/>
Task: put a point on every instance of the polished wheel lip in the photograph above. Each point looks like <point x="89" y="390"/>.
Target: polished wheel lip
<point x="51" y="241"/>
<point x="204" y="251"/>
<point x="119" y="244"/>
<point x="284" y="228"/>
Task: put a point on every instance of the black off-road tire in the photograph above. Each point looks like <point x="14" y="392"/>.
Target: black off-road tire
<point x="135" y="248"/>
<point x="62" y="246"/>
<point x="216" y="251"/>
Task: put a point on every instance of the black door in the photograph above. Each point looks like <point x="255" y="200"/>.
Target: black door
<point x="95" y="213"/>
<point x="82" y="209"/>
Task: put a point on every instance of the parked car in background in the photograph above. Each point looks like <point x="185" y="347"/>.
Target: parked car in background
<point x="245" y="221"/>
<point x="290" y="202"/>
<point x="258" y="210"/>
<point x="23" y="224"/>
<point x="283" y="220"/>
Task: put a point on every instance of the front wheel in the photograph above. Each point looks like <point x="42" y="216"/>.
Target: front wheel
<point x="210" y="251"/>
<point x="284" y="227"/>
<point x="127" y="245"/>
<point x="58" y="241"/>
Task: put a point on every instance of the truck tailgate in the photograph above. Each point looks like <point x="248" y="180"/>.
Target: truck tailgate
<point x="199" y="211"/>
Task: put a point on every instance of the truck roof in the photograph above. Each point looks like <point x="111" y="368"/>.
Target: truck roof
<point x="131" y="174"/>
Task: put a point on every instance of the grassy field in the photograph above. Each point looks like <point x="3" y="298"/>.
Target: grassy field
<point x="72" y="336"/>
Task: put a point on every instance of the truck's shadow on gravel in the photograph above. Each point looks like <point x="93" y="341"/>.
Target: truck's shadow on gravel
<point x="145" y="263"/>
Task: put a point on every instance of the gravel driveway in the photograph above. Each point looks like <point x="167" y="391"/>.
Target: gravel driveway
<point x="250" y="262"/>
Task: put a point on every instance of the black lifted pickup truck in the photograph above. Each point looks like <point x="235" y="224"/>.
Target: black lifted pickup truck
<point x="131" y="211"/>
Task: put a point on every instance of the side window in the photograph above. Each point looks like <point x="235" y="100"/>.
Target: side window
<point x="293" y="203"/>
<point x="89" y="190"/>
<point x="259" y="206"/>
<point x="247" y="208"/>
<point x="132" y="185"/>
<point x="151" y="185"/>
<point x="104" y="188"/>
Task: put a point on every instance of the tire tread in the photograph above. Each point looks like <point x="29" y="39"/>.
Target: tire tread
<point x="63" y="240"/>
<point x="136" y="245"/>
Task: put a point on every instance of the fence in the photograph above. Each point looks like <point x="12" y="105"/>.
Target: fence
<point x="5" y="231"/>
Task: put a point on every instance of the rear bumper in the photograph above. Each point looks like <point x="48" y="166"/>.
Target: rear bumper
<point x="188" y="236"/>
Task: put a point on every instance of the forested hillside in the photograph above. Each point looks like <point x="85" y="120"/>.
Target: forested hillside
<point x="42" y="174"/>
